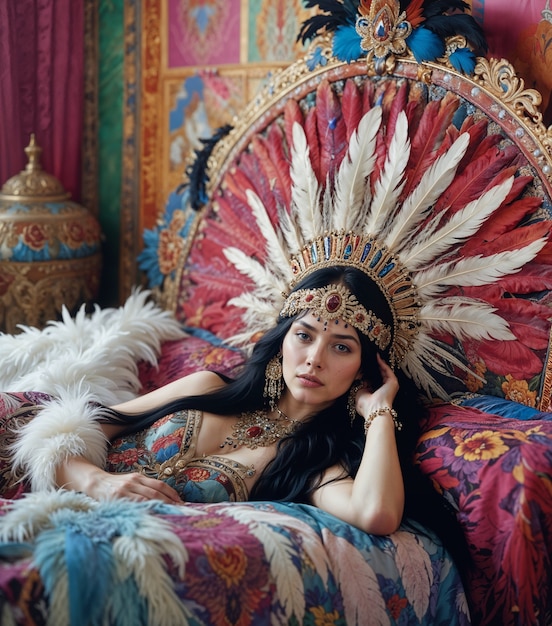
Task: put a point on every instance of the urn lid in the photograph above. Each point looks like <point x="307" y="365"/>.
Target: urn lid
<point x="33" y="183"/>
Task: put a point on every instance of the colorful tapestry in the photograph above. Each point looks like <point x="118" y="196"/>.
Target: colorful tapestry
<point x="497" y="473"/>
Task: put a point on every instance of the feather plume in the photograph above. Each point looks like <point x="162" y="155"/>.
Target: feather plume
<point x="292" y="115"/>
<point x="351" y="107"/>
<point x="462" y="225"/>
<point x="476" y="270"/>
<point x="389" y="186"/>
<point x="274" y="247"/>
<point x="333" y="15"/>
<point x="346" y="44"/>
<point x="305" y="195"/>
<point x="516" y="239"/>
<point x="475" y="178"/>
<point x="260" y="274"/>
<point x="331" y="129"/>
<point x="429" y="133"/>
<point x="461" y="318"/>
<point x="354" y="170"/>
<point x="434" y="181"/>
<point x="313" y="139"/>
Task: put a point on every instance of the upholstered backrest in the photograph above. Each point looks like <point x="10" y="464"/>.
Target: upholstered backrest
<point x="184" y="255"/>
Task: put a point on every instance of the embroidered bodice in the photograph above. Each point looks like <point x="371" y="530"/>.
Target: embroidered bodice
<point x="167" y="451"/>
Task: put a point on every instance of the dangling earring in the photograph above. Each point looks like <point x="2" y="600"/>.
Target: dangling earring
<point x="351" y="399"/>
<point x="274" y="381"/>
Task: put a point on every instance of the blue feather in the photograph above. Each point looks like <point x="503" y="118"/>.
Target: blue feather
<point x="126" y="607"/>
<point x="463" y="60"/>
<point x="425" y="45"/>
<point x="346" y="44"/>
<point x="89" y="572"/>
<point x="49" y="558"/>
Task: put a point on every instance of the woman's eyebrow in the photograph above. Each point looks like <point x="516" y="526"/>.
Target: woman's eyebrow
<point x="349" y="336"/>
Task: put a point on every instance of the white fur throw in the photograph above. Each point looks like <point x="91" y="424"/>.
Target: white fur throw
<point x="79" y="361"/>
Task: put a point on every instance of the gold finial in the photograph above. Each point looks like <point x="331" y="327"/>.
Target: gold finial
<point x="33" y="182"/>
<point x="33" y="152"/>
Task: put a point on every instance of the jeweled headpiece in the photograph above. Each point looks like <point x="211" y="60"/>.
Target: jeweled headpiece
<point x="369" y="216"/>
<point x="336" y="302"/>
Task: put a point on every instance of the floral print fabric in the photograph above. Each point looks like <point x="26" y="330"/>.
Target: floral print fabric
<point x="497" y="473"/>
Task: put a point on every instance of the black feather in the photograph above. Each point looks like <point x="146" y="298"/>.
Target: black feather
<point x="459" y="24"/>
<point x="197" y="171"/>
<point x="334" y="14"/>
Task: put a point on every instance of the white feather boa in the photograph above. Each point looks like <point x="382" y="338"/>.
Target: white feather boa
<point x="80" y="362"/>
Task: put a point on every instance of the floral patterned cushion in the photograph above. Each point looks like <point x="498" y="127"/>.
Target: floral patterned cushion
<point x="497" y="473"/>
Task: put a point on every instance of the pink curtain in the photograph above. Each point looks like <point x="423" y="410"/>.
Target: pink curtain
<point x="42" y="86"/>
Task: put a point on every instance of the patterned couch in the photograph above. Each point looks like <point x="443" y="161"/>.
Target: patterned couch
<point x="488" y="449"/>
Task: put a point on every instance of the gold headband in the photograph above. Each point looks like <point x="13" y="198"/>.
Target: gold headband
<point x="337" y="302"/>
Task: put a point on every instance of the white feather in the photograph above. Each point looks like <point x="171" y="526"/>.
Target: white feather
<point x="461" y="318"/>
<point x="275" y="250"/>
<point x="428" y="356"/>
<point x="66" y="426"/>
<point x="305" y="191"/>
<point x="463" y="224"/>
<point x="391" y="182"/>
<point x="353" y="171"/>
<point x="290" y="234"/>
<point x="264" y="277"/>
<point x="478" y="270"/>
<point x="433" y="183"/>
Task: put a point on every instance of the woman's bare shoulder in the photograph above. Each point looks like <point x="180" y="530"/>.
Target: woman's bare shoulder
<point x="194" y="384"/>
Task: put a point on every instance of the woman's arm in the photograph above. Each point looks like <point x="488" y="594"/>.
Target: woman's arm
<point x="79" y="474"/>
<point x="374" y="500"/>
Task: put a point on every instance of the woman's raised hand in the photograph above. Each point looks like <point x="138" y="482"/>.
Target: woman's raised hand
<point x="384" y="396"/>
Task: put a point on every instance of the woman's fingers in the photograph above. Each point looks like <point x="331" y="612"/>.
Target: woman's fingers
<point x="136" y="487"/>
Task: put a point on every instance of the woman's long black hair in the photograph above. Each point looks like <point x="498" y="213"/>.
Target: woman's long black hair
<point x="330" y="437"/>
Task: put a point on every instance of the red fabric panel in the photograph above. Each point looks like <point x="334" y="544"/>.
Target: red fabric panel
<point x="42" y="86"/>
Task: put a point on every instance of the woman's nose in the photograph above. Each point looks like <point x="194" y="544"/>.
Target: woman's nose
<point x="314" y="356"/>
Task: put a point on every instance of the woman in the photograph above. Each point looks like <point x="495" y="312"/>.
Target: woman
<point x="326" y="437"/>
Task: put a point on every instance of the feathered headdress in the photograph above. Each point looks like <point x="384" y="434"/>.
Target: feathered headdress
<point x="383" y="29"/>
<point x="406" y="229"/>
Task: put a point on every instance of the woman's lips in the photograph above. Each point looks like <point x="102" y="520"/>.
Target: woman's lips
<point x="309" y="381"/>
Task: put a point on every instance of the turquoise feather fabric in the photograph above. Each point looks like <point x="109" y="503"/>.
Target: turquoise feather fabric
<point x="123" y="563"/>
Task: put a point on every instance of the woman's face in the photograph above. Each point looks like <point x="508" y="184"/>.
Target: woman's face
<point x="320" y="362"/>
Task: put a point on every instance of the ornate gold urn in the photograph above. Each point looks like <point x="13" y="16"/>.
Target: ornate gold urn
<point x="50" y="248"/>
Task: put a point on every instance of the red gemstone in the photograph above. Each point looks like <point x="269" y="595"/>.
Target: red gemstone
<point x="309" y="297"/>
<point x="253" y="432"/>
<point x="333" y="302"/>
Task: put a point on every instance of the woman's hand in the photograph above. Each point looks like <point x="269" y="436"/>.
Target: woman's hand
<point x="80" y="475"/>
<point x="368" y="401"/>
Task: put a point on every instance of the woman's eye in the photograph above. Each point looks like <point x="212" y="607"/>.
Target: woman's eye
<point x="341" y="347"/>
<point x="303" y="336"/>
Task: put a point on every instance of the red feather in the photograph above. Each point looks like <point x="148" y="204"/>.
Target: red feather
<point x="505" y="219"/>
<point x="398" y="104"/>
<point x="233" y="228"/>
<point x="237" y="183"/>
<point x="473" y="180"/>
<point x="532" y="278"/>
<point x="414" y="13"/>
<point x="512" y="240"/>
<point x="261" y="184"/>
<point x="311" y="132"/>
<point x="368" y="90"/>
<point x="292" y="114"/>
<point x="351" y="105"/>
<point x="281" y="160"/>
<point x="279" y="184"/>
<point x="429" y="134"/>
<point x="331" y="129"/>
<point x="509" y="357"/>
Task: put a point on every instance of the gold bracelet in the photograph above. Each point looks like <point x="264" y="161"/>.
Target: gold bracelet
<point x="384" y="409"/>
